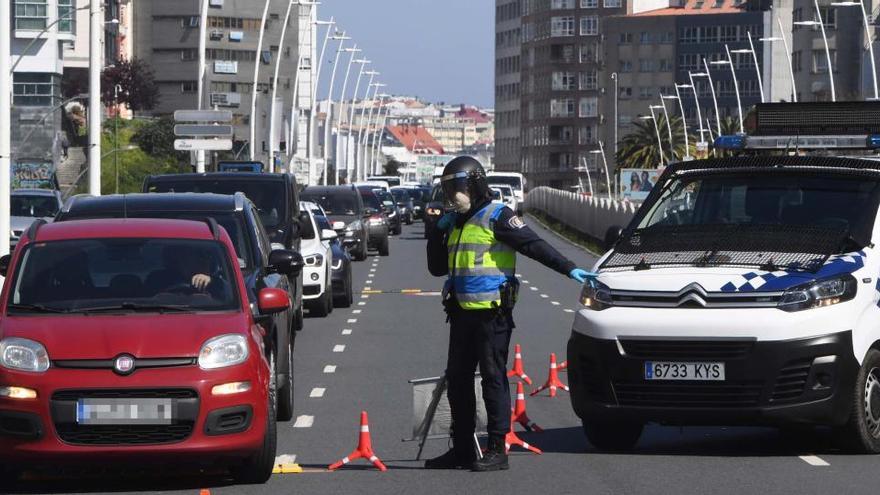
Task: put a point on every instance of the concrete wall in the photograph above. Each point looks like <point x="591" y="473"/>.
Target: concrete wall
<point x="590" y="216"/>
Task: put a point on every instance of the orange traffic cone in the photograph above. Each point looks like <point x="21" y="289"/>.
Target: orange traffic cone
<point x="553" y="380"/>
<point x="518" y="366"/>
<point x="364" y="449"/>
<point x="512" y="439"/>
<point x="563" y="366"/>
<point x="519" y="411"/>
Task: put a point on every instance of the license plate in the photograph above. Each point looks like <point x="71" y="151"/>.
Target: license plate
<point x="667" y="370"/>
<point x="124" y="411"/>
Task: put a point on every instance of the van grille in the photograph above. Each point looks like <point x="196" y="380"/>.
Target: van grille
<point x="792" y="379"/>
<point x="689" y="395"/>
<point x="687" y="349"/>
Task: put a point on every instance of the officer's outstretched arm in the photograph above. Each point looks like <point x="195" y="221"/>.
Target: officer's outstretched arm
<point x="511" y="230"/>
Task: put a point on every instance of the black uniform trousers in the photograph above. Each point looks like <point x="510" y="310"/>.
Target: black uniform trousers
<point x="478" y="337"/>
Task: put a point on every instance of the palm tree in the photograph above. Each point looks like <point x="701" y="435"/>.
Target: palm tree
<point x="639" y="148"/>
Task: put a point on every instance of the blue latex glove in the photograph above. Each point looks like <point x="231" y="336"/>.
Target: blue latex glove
<point x="447" y="221"/>
<point x="583" y="276"/>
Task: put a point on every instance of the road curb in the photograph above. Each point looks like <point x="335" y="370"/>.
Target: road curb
<point x="562" y="237"/>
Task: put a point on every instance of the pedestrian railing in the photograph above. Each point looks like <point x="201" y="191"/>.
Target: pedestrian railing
<point x="588" y="215"/>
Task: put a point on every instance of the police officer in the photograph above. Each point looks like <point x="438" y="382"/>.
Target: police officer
<point x="476" y="246"/>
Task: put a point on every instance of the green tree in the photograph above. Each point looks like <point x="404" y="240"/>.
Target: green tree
<point x="156" y="138"/>
<point x="639" y="149"/>
<point x="137" y="85"/>
<point x="130" y="162"/>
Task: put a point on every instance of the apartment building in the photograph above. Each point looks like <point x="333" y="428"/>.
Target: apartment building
<point x="508" y="53"/>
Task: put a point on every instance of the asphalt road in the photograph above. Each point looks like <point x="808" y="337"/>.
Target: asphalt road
<point x="362" y="358"/>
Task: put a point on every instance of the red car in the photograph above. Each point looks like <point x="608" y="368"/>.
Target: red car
<point x="133" y="340"/>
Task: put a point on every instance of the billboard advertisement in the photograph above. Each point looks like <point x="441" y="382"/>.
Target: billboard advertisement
<point x="636" y="183"/>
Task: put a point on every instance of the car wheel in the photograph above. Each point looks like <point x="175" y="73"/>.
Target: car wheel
<point x="409" y="220"/>
<point x="612" y="435"/>
<point x="320" y="307"/>
<point x="347" y="298"/>
<point x="285" y="393"/>
<point x="398" y="229"/>
<point x="383" y="247"/>
<point x="298" y="319"/>
<point x="862" y="432"/>
<point x="258" y="468"/>
<point x="362" y="253"/>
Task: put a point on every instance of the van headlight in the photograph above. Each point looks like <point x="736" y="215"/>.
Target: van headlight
<point x="223" y="351"/>
<point x="818" y="294"/>
<point x="596" y="297"/>
<point x="23" y="355"/>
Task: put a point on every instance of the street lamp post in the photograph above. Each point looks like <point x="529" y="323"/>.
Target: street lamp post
<point x="708" y="76"/>
<point x="821" y="25"/>
<point x="870" y="40"/>
<point x="377" y="145"/>
<point x="353" y="52"/>
<point x="363" y="140"/>
<point x="751" y="51"/>
<point x="616" y="78"/>
<point x="601" y="151"/>
<point x="729" y="61"/>
<point x="693" y="86"/>
<point x="294" y="103"/>
<point x="586" y="168"/>
<point x="96" y="28"/>
<point x="257" y="61"/>
<point x="359" y="173"/>
<point x="329" y="114"/>
<point x="653" y="118"/>
<point x="272" y="105"/>
<point x="314" y="109"/>
<point x="668" y="123"/>
<point x="363" y="63"/>
<point x="684" y="127"/>
<point x="788" y="56"/>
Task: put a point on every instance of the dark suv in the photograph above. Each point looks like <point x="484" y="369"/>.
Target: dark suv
<point x="276" y="197"/>
<point x="345" y="208"/>
<point x="242" y="222"/>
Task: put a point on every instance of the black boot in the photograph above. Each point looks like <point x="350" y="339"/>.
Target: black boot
<point x="452" y="459"/>
<point x="495" y="458"/>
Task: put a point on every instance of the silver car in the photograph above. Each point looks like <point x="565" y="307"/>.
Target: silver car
<point x="27" y="205"/>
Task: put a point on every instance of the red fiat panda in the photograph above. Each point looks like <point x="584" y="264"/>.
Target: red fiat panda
<point x="133" y="340"/>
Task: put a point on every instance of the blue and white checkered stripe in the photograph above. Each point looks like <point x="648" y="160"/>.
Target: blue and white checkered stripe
<point x="781" y="280"/>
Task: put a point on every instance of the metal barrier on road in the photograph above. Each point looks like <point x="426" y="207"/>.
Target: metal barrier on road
<point x="588" y="215"/>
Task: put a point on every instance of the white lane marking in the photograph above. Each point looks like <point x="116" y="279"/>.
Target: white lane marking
<point x="533" y="288"/>
<point x="365" y="296"/>
<point x="339" y="348"/>
<point x="525" y="281"/>
<point x="814" y="460"/>
<point x="569" y="310"/>
<point x="347" y="331"/>
<point x="362" y="303"/>
<point x="356" y="312"/>
<point x="304" y="421"/>
<point x="555" y="303"/>
<point x="519" y="275"/>
<point x="544" y="296"/>
<point x="372" y="270"/>
<point x="368" y="288"/>
<point x="330" y="368"/>
<point x="352" y="320"/>
<point x="317" y="392"/>
<point x="370" y="275"/>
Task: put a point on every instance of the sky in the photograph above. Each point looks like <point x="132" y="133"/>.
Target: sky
<point x="438" y="50"/>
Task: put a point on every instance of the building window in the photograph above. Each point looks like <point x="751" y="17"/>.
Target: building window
<point x="188" y="87"/>
<point x="646" y="65"/>
<point x="820" y="61"/>
<point x="586" y="135"/>
<point x="625" y="38"/>
<point x="665" y="65"/>
<point x="563" y="81"/>
<point x="562" y="4"/>
<point x="646" y="93"/>
<point x="588" y="53"/>
<point x="589" y="4"/>
<point x="645" y="38"/>
<point x="729" y="33"/>
<point x="689" y="35"/>
<point x="612" y="4"/>
<point x="829" y="17"/>
<point x="588" y="107"/>
<point x="188" y="54"/>
<point x="796" y="61"/>
<point x="624" y="92"/>
<point x="33" y="89"/>
<point x="31" y="14"/>
<point x="666" y="37"/>
<point x="66" y="17"/>
<point x="626" y="66"/>
<point x="589" y="25"/>
<point x="589" y="80"/>
<point x="562" y="26"/>
<point x="562" y="108"/>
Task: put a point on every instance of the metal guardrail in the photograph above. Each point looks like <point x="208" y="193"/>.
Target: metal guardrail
<point x="588" y="215"/>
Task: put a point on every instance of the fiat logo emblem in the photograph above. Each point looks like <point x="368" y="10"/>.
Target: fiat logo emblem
<point x="124" y="364"/>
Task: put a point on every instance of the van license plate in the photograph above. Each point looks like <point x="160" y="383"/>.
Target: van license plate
<point x="667" y="370"/>
<point x="124" y="411"/>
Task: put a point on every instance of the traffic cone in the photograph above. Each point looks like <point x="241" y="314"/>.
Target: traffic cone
<point x="518" y="366"/>
<point x="563" y="366"/>
<point x="364" y="449"/>
<point x="512" y="439"/>
<point x="519" y="411"/>
<point x="553" y="380"/>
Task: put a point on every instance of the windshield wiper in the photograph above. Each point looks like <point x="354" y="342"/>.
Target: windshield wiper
<point x="130" y="306"/>
<point x="37" y="308"/>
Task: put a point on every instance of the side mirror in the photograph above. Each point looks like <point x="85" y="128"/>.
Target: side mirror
<point x="4" y="264"/>
<point x="338" y="226"/>
<point x="328" y="235"/>
<point x="272" y="300"/>
<point x="612" y="235"/>
<point x="276" y="246"/>
<point x="285" y="262"/>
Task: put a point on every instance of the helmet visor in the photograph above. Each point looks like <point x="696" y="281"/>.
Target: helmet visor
<point x="454" y="183"/>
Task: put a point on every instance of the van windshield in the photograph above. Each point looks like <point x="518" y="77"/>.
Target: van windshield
<point x="97" y="275"/>
<point x="337" y="203"/>
<point x="268" y="195"/>
<point x="510" y="180"/>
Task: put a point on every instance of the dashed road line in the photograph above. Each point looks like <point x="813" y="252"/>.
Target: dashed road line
<point x="317" y="392"/>
<point x="365" y="296"/>
<point x="814" y="460"/>
<point x="533" y="288"/>
<point x="339" y="348"/>
<point x="352" y="320"/>
<point x="525" y="281"/>
<point x="330" y="368"/>
<point x="568" y="310"/>
<point x="544" y="296"/>
<point x="362" y="303"/>
<point x="347" y="331"/>
<point x="356" y="312"/>
<point x="555" y="303"/>
<point x="372" y="270"/>
<point x="304" y="421"/>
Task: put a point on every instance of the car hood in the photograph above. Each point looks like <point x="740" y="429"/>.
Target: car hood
<point x="728" y="279"/>
<point x="343" y="218"/>
<point x="106" y="336"/>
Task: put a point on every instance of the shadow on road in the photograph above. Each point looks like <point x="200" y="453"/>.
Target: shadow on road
<point x="111" y="481"/>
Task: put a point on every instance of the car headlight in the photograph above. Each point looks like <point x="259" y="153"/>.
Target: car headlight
<point x="596" y="297"/>
<point x="818" y="294"/>
<point x="314" y="260"/>
<point x="223" y="351"/>
<point x="23" y="355"/>
<point x="353" y="226"/>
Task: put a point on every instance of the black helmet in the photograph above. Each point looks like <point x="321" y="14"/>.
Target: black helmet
<point x="465" y="174"/>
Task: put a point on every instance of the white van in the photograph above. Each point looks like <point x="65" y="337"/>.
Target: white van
<point x="513" y="179"/>
<point x="744" y="291"/>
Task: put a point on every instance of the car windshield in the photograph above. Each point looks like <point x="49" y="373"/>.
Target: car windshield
<point x="385" y="197"/>
<point x="400" y="195"/>
<point x="341" y="203"/>
<point x="95" y="275"/>
<point x="267" y="195"/>
<point x="371" y="200"/>
<point x="234" y="225"/>
<point x="512" y="181"/>
<point x="505" y="190"/>
<point x="33" y="206"/>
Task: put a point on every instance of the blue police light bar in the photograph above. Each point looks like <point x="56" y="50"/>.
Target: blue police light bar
<point x="874" y="141"/>
<point x="735" y="142"/>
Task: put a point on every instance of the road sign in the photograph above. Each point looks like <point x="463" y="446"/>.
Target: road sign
<point x="203" y="144"/>
<point x="209" y="130"/>
<point x="203" y="116"/>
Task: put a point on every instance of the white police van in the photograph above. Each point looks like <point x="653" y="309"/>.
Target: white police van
<point x="745" y="291"/>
